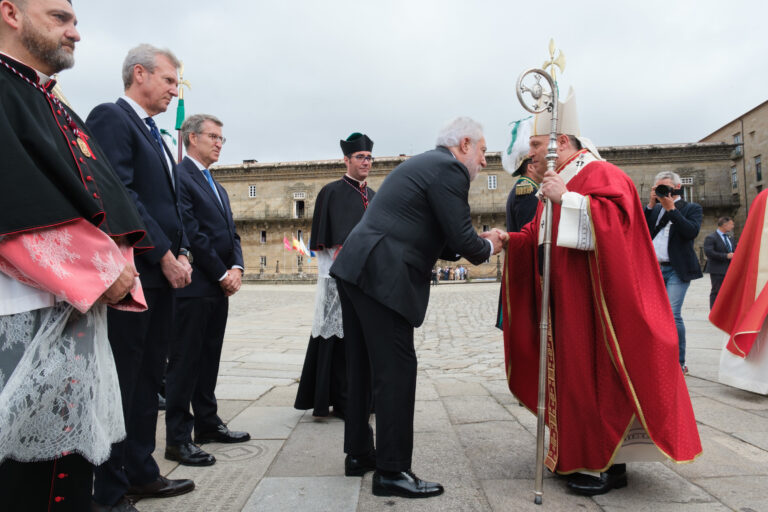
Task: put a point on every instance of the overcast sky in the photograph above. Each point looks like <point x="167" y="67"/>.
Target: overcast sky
<point x="290" y="78"/>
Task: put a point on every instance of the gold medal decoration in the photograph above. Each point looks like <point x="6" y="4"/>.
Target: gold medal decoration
<point x="84" y="147"/>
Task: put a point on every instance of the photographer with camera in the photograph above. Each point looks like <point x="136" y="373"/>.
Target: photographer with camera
<point x="674" y="224"/>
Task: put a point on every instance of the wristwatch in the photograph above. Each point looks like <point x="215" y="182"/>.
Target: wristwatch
<point x="186" y="252"/>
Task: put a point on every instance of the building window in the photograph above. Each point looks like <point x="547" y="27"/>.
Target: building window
<point x="298" y="234"/>
<point x="251" y="190"/>
<point x="758" y="168"/>
<point x="298" y="209"/>
<point x="263" y="261"/>
<point x="486" y="227"/>
<point x="299" y="259"/>
<point x="299" y="195"/>
<point x="734" y="179"/>
<point x="737" y="138"/>
<point x="492" y="182"/>
<point x="263" y="236"/>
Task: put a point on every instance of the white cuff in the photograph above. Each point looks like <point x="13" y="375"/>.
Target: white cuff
<point x="575" y="228"/>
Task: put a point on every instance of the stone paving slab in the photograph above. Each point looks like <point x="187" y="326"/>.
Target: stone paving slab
<point x="226" y="485"/>
<point x="314" y="448"/>
<point x="292" y="494"/>
<point x="437" y="457"/>
<point x="474" y="409"/>
<point x="267" y="422"/>
<point x="499" y="449"/>
<point x="517" y="495"/>
<point x="652" y="486"/>
<point x="743" y="493"/>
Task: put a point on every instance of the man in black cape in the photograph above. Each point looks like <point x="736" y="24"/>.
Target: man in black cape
<point x="59" y="192"/>
<point x="338" y="208"/>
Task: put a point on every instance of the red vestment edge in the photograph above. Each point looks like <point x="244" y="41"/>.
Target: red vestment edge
<point x="740" y="308"/>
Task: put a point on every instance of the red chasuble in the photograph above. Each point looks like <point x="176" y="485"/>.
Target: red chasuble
<point x="613" y="352"/>
<point x="742" y="303"/>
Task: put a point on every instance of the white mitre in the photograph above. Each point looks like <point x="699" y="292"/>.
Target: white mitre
<point x="567" y="122"/>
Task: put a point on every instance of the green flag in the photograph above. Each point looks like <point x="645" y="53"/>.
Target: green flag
<point x="180" y="114"/>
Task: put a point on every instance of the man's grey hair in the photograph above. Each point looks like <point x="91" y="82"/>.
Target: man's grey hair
<point x="145" y="55"/>
<point x="669" y="175"/>
<point x="451" y="134"/>
<point x="194" y="124"/>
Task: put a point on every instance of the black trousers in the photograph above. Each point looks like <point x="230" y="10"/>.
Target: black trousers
<point x="59" y="485"/>
<point x="717" y="282"/>
<point x="193" y="366"/>
<point x="380" y="353"/>
<point x="139" y="343"/>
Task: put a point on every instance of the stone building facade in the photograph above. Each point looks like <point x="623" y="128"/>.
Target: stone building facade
<point x="749" y="135"/>
<point x="274" y="201"/>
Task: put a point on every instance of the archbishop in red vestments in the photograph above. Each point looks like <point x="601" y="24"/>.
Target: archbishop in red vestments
<point x="612" y="355"/>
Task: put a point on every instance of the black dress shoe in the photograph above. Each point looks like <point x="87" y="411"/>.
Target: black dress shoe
<point x="404" y="484"/>
<point x="588" y="485"/>
<point x="222" y="435"/>
<point x="359" y="465"/>
<point x="124" y="505"/>
<point x="188" y="454"/>
<point x="160" y="488"/>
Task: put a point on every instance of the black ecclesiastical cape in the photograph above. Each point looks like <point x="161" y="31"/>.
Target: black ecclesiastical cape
<point x="338" y="208"/>
<point x="51" y="175"/>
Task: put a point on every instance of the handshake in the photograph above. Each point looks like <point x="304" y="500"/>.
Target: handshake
<point x="497" y="237"/>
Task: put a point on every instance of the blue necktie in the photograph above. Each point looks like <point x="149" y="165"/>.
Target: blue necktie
<point x="154" y="131"/>
<point x="212" y="184"/>
<point x="727" y="243"/>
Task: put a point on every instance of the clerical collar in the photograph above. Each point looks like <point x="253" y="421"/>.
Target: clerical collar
<point x="353" y="181"/>
<point x="26" y="70"/>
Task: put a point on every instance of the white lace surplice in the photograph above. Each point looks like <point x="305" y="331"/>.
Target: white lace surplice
<point x="58" y="385"/>
<point x="327" y="321"/>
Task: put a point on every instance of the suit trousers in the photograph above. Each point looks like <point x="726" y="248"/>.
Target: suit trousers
<point x="380" y="354"/>
<point x="717" y="282"/>
<point x="193" y="366"/>
<point x="139" y="344"/>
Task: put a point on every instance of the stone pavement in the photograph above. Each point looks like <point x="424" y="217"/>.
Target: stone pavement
<point x="470" y="433"/>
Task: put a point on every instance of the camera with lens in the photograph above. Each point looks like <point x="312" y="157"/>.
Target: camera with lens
<point x="666" y="191"/>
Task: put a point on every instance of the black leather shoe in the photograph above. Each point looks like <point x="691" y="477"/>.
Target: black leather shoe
<point x="222" y="435"/>
<point x="359" y="465"/>
<point x="188" y="454"/>
<point x="124" y="505"/>
<point x="160" y="488"/>
<point x="588" y="485"/>
<point x="404" y="484"/>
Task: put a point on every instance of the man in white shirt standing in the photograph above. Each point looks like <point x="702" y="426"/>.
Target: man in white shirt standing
<point x="674" y="224"/>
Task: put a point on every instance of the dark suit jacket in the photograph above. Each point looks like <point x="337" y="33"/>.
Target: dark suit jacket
<point x="420" y="213"/>
<point x="210" y="228"/>
<point x="140" y="164"/>
<point x="717" y="253"/>
<point x="686" y="222"/>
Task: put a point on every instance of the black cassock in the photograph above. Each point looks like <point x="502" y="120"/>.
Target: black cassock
<point x="338" y="208"/>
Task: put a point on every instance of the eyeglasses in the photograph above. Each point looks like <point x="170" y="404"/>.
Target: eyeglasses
<point x="216" y="138"/>
<point x="363" y="158"/>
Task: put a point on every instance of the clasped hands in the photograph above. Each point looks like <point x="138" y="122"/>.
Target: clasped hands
<point x="231" y="283"/>
<point x="497" y="237"/>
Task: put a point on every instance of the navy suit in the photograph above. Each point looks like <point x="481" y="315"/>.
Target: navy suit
<point x="201" y="307"/>
<point x="139" y="340"/>
<point x="717" y="261"/>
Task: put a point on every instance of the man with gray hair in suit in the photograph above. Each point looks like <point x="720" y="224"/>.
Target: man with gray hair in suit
<point x="421" y="213"/>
